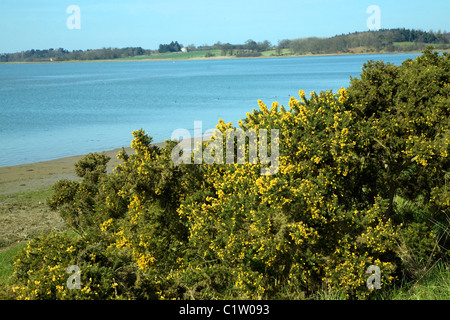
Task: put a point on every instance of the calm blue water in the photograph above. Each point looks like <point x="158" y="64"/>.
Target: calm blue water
<point x="49" y="111"/>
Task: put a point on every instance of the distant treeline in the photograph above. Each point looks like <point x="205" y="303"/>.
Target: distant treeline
<point x="171" y="47"/>
<point x="387" y="40"/>
<point x="65" y="55"/>
<point x="248" y="49"/>
<point x="383" y="40"/>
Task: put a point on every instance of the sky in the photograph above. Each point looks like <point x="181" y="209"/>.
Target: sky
<point x="43" y="24"/>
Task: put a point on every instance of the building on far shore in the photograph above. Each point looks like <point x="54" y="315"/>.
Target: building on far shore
<point x="184" y="49"/>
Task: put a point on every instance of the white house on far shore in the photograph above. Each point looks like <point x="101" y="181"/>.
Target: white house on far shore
<point x="183" y="49"/>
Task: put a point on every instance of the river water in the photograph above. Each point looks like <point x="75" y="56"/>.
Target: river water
<point x="54" y="110"/>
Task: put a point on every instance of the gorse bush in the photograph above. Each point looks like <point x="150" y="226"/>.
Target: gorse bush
<point x="360" y="182"/>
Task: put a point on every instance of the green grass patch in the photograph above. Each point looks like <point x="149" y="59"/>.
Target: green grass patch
<point x="409" y="45"/>
<point x="7" y="257"/>
<point x="6" y="261"/>
<point x="176" y="55"/>
<point x="434" y="285"/>
<point x="197" y="54"/>
<point x="403" y="44"/>
<point x="29" y="196"/>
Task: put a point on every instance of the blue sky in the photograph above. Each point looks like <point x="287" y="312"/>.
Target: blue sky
<point x="41" y="24"/>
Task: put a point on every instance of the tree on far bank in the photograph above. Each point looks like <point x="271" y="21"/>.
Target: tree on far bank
<point x="172" y="47"/>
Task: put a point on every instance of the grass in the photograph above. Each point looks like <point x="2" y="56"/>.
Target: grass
<point x="196" y="55"/>
<point x="409" y="45"/>
<point x="434" y="285"/>
<point x="25" y="215"/>
<point x="403" y="44"/>
<point x="175" y="55"/>
<point x="28" y="196"/>
<point x="7" y="259"/>
<point x="6" y="269"/>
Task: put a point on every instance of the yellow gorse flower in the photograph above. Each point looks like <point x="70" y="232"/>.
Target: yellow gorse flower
<point x="343" y="96"/>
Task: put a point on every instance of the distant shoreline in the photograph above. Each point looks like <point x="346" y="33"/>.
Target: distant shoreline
<point x="44" y="174"/>
<point x="220" y="57"/>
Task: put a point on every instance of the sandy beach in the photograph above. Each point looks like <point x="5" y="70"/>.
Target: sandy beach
<point x="24" y="190"/>
<point x="38" y="175"/>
